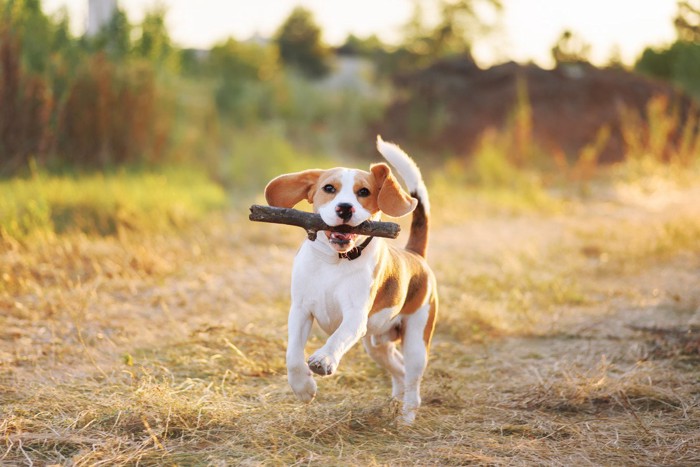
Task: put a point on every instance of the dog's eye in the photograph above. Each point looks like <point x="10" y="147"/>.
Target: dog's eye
<point x="363" y="192"/>
<point x="329" y="188"/>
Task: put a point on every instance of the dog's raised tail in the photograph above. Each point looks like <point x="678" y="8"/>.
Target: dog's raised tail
<point x="410" y="173"/>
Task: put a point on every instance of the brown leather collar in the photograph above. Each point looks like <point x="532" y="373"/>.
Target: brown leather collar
<point x="355" y="252"/>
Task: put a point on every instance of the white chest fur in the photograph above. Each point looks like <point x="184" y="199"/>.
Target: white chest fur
<point x="330" y="287"/>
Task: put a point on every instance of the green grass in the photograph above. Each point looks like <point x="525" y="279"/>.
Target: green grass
<point x="257" y="155"/>
<point x="104" y="203"/>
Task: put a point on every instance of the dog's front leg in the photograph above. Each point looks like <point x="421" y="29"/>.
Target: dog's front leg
<point x="354" y="326"/>
<point x="298" y="374"/>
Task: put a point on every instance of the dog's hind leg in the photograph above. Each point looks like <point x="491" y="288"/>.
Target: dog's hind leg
<point x="388" y="357"/>
<point x="415" y="354"/>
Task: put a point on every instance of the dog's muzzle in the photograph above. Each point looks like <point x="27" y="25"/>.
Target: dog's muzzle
<point x="344" y="211"/>
<point x="341" y="239"/>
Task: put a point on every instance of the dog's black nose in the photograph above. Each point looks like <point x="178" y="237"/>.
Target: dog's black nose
<point x="344" y="211"/>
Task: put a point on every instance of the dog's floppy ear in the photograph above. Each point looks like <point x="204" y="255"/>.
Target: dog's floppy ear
<point x="287" y="190"/>
<point x="392" y="199"/>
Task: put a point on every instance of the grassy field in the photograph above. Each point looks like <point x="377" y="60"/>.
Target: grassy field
<point x="568" y="335"/>
<point x="98" y="203"/>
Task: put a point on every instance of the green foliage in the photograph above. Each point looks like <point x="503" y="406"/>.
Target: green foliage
<point x="314" y="117"/>
<point x="155" y="43"/>
<point x="115" y="38"/>
<point x="120" y="97"/>
<point x="244" y="61"/>
<point x="680" y="63"/>
<point x="686" y="67"/>
<point x="657" y="63"/>
<point x="300" y="44"/>
<point x="460" y="23"/>
<point x="366" y="47"/>
<point x="105" y="203"/>
<point x="33" y="29"/>
<point x="257" y="155"/>
<point x="86" y="102"/>
<point x="246" y="72"/>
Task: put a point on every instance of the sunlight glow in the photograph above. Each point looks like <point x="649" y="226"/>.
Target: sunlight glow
<point x="529" y="28"/>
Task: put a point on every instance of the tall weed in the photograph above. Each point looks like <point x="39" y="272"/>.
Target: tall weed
<point x="660" y="138"/>
<point x="26" y="105"/>
<point x="506" y="170"/>
<point x="113" y="115"/>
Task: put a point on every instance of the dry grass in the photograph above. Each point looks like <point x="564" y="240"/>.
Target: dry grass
<point x="169" y="349"/>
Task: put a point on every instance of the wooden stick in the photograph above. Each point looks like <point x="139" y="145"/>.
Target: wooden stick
<point x="312" y="223"/>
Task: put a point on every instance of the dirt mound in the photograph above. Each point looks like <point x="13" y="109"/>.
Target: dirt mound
<point x="447" y="106"/>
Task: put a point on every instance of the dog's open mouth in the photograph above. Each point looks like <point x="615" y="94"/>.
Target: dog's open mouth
<point x="341" y="241"/>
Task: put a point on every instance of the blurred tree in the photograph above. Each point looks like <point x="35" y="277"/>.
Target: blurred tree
<point x="657" y="63"/>
<point x="244" y="60"/>
<point x="615" y="58"/>
<point x="570" y="48"/>
<point x="62" y="38"/>
<point x="679" y="63"/>
<point x="25" y="106"/>
<point x="33" y="29"/>
<point x="460" y="23"/>
<point x="155" y="43"/>
<point x="238" y="64"/>
<point x="386" y="60"/>
<point x="191" y="61"/>
<point x="115" y="37"/>
<point x="687" y="21"/>
<point x="300" y="44"/>
<point x="366" y="47"/>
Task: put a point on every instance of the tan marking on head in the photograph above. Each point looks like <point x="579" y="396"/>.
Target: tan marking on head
<point x="391" y="199"/>
<point x="287" y="190"/>
<point x="369" y="181"/>
<point x="329" y="177"/>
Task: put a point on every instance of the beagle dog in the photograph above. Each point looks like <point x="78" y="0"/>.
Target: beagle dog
<point x="359" y="287"/>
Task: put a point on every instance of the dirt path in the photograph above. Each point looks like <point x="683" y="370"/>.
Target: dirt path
<point x="559" y="342"/>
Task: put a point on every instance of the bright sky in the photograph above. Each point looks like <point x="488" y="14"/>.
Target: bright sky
<point x="530" y="27"/>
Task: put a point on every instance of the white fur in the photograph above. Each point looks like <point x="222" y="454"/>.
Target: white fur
<point x="388" y="357"/>
<point x="336" y="293"/>
<point x="346" y="194"/>
<point x="338" y="297"/>
<point x="406" y="168"/>
<point x="415" y="358"/>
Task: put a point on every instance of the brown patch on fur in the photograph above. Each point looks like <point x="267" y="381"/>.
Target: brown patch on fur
<point x="388" y="294"/>
<point x="417" y="290"/>
<point x="418" y="241"/>
<point x="401" y="280"/>
<point x="432" y="316"/>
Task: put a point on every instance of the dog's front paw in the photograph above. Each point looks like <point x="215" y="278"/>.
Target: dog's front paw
<point x="322" y="364"/>
<point x="302" y="383"/>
